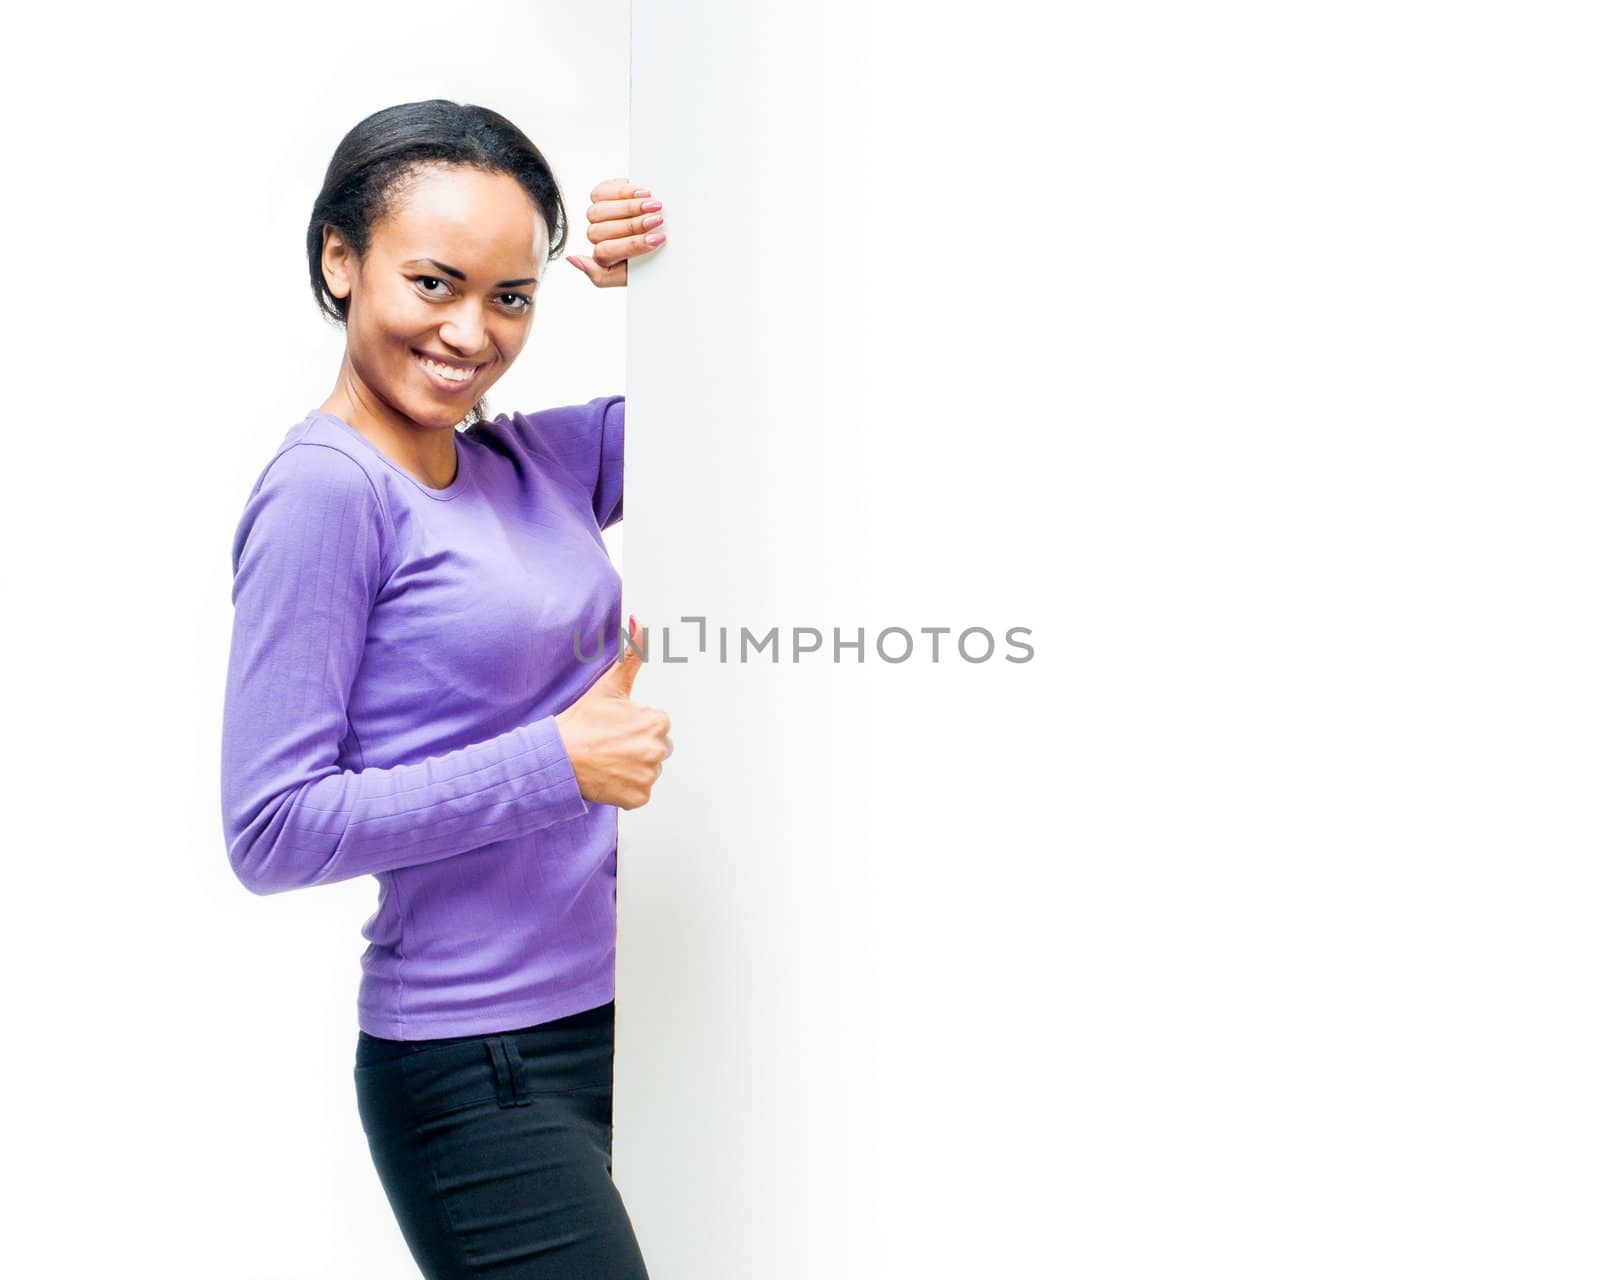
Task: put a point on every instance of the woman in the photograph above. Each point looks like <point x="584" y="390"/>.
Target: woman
<point x="420" y="688"/>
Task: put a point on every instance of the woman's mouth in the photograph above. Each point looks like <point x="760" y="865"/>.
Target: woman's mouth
<point x="448" y="376"/>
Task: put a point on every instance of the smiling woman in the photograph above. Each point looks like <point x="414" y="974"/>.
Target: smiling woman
<point x="426" y="339"/>
<point x="404" y="699"/>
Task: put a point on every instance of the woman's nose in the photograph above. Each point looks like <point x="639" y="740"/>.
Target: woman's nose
<point x="464" y="332"/>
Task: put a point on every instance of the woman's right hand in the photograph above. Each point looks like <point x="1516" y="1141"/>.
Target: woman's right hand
<point x="616" y="745"/>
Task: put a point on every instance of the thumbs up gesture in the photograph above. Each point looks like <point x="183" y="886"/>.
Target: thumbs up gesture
<point x="616" y="745"/>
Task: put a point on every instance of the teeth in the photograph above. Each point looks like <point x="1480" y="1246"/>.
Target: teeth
<point x="447" y="371"/>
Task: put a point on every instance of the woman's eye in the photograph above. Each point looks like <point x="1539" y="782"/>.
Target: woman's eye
<point x="514" y="301"/>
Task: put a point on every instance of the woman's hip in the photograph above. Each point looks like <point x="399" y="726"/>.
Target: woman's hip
<point x="412" y="1081"/>
<point x="495" y="1150"/>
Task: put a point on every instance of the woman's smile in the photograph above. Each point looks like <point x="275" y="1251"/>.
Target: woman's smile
<point x="449" y="376"/>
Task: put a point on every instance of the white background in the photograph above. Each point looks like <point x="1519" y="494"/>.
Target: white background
<point x="1245" y="353"/>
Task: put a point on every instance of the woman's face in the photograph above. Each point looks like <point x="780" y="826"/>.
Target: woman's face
<point x="449" y="277"/>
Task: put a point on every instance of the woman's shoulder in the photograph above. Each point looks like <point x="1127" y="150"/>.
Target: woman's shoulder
<point x="314" y="479"/>
<point x="316" y="461"/>
<point x="568" y="435"/>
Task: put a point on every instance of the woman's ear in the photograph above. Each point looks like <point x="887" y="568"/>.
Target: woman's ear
<point x="338" y="262"/>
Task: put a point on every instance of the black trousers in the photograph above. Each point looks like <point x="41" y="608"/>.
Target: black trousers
<point x="495" y="1150"/>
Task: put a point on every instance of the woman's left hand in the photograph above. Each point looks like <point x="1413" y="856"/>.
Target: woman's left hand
<point x="625" y="221"/>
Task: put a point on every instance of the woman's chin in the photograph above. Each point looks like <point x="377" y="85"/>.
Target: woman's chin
<point x="430" y="411"/>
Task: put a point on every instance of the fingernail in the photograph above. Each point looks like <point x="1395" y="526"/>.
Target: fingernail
<point x="649" y="205"/>
<point x="656" y="237"/>
<point x="640" y="192"/>
<point x="654" y="220"/>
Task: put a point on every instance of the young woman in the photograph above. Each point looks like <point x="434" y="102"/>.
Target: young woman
<point x="427" y="684"/>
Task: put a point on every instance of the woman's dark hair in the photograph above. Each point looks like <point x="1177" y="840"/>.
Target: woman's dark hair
<point x="367" y="173"/>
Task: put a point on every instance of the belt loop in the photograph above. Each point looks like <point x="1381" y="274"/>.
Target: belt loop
<point x="519" y="1083"/>
<point x="509" y="1089"/>
<point x="503" y="1089"/>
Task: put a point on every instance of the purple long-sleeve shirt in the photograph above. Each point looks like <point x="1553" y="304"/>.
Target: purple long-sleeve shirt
<point x="398" y="655"/>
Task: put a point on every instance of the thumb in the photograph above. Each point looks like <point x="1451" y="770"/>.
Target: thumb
<point x="626" y="668"/>
<point x="586" y="265"/>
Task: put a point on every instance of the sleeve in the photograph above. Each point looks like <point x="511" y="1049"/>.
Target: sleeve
<point x="308" y="564"/>
<point x="587" y="441"/>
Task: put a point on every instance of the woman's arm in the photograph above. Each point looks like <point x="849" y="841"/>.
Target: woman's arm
<point x="309" y="560"/>
<point x="586" y="441"/>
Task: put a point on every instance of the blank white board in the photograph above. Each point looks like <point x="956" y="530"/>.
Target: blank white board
<point x="1243" y="355"/>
